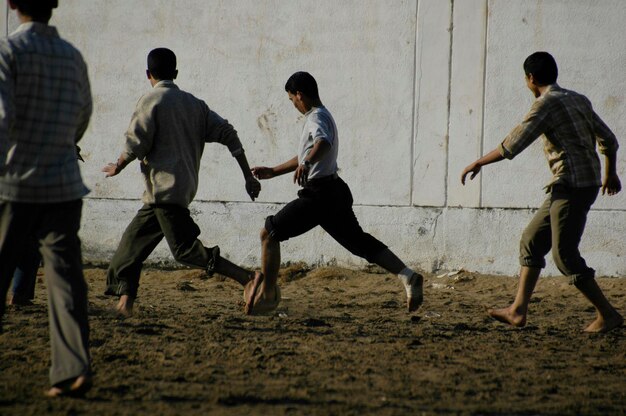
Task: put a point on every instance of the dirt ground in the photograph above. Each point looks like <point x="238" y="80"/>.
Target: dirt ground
<point x="341" y="343"/>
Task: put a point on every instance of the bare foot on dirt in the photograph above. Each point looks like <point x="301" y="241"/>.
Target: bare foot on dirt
<point x="71" y="388"/>
<point x="250" y="292"/>
<point x="259" y="298"/>
<point x="508" y="316"/>
<point x="125" y="306"/>
<point x="605" y="325"/>
<point x="18" y="301"/>
<point x="415" y="292"/>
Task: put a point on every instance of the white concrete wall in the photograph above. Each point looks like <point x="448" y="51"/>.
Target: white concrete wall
<point x="419" y="89"/>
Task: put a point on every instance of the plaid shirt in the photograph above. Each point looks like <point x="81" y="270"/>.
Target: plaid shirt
<point x="570" y="129"/>
<point x="45" y="106"/>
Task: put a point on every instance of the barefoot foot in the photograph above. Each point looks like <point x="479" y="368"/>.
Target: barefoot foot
<point x="125" y="306"/>
<point x="260" y="299"/>
<point x="415" y="292"/>
<point x="250" y="292"/>
<point x="71" y="388"/>
<point x="602" y="324"/>
<point x="508" y="316"/>
<point x="19" y="301"/>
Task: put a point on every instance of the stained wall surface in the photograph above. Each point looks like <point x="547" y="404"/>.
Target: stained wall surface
<point x="419" y="89"/>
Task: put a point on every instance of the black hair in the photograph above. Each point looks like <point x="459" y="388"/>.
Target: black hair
<point x="38" y="10"/>
<point x="303" y="82"/>
<point x="162" y="64"/>
<point x="543" y="67"/>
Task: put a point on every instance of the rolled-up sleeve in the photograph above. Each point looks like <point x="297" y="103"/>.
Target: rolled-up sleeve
<point x="526" y="132"/>
<point x="221" y="131"/>
<point x="607" y="142"/>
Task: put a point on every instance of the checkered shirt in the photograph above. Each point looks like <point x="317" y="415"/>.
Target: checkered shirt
<point x="45" y="106"/>
<point x="570" y="129"/>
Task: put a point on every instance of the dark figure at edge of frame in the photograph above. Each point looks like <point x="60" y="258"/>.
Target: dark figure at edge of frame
<point x="41" y="188"/>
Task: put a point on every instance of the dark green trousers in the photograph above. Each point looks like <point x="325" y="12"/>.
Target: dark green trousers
<point x="558" y="225"/>
<point x="143" y="234"/>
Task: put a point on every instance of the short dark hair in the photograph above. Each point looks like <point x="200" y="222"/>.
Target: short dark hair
<point x="303" y="82"/>
<point x="162" y="63"/>
<point x="38" y="10"/>
<point x="543" y="67"/>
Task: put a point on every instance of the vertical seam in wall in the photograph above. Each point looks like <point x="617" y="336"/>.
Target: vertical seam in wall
<point x="449" y="104"/>
<point x="482" y="126"/>
<point x="415" y="107"/>
<point x="6" y="20"/>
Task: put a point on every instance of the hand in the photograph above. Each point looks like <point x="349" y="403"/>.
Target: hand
<point x="111" y="169"/>
<point x="474" y="168"/>
<point x="301" y="176"/>
<point x="611" y="185"/>
<point x="253" y="187"/>
<point x="262" y="172"/>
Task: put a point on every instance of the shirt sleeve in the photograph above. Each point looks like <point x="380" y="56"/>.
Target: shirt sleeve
<point x="87" y="107"/>
<point x="321" y="129"/>
<point x="140" y="133"/>
<point x="533" y="126"/>
<point x="607" y="142"/>
<point x="7" y="102"/>
<point x="221" y="131"/>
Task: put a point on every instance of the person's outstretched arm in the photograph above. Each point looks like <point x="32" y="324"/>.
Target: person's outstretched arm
<point x="264" y="172"/>
<point x="489" y="158"/>
<point x="253" y="187"/>
<point x="113" y="169"/>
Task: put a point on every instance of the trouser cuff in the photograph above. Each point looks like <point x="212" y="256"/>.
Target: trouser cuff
<point x="120" y="289"/>
<point x="576" y="279"/>
<point x="532" y="262"/>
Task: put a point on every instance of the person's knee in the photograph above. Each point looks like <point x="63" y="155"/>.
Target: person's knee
<point x="264" y="234"/>
<point x="531" y="253"/>
<point x="267" y="239"/>
<point x="566" y="259"/>
<point x="559" y="260"/>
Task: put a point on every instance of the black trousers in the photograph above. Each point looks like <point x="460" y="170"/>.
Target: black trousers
<point x="326" y="202"/>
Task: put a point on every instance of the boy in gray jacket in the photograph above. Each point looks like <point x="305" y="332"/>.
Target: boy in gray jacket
<point x="167" y="134"/>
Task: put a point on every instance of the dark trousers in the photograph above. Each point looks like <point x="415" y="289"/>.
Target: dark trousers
<point x="25" y="274"/>
<point x="55" y="226"/>
<point x="327" y="203"/>
<point x="558" y="225"/>
<point x="143" y="234"/>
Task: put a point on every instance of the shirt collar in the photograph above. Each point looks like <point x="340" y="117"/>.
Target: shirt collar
<point x="313" y="109"/>
<point x="165" y="83"/>
<point x="37" y="27"/>
<point x="551" y="88"/>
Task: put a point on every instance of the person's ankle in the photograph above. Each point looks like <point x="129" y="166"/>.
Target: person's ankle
<point x="405" y="275"/>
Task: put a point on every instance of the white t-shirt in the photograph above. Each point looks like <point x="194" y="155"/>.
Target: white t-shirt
<point x="319" y="125"/>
